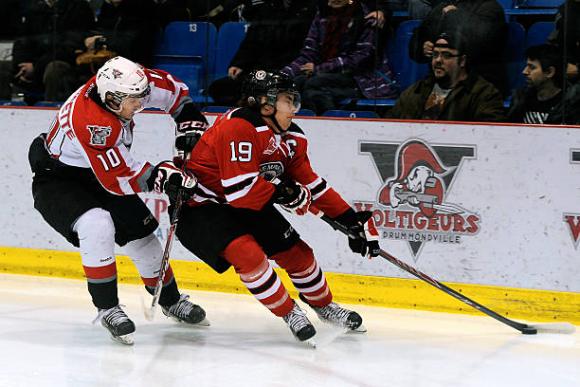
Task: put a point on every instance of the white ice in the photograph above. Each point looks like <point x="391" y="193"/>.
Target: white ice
<point x="46" y="339"/>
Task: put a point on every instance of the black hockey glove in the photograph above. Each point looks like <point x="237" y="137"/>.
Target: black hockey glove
<point x="190" y="126"/>
<point x="293" y="197"/>
<point x="365" y="237"/>
<point x="168" y="179"/>
<point x="187" y="134"/>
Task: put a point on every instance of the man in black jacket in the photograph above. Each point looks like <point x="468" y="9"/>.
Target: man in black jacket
<point x="543" y="101"/>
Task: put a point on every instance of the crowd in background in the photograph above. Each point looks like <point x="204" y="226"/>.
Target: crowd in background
<point x="336" y="51"/>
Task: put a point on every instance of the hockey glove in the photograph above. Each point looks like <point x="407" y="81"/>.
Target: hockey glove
<point x="364" y="238"/>
<point x="293" y="197"/>
<point x="168" y="179"/>
<point x="187" y="134"/>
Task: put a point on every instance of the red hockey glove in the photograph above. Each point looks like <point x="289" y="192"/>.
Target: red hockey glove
<point x="168" y="179"/>
<point x="365" y="239"/>
<point x="293" y="197"/>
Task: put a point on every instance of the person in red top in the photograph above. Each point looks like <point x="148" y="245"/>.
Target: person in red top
<point x="231" y="218"/>
<point x="86" y="183"/>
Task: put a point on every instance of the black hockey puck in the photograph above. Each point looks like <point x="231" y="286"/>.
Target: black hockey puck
<point x="529" y="331"/>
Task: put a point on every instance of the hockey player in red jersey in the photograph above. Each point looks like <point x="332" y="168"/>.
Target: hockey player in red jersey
<point x="86" y="183"/>
<point x="231" y="218"/>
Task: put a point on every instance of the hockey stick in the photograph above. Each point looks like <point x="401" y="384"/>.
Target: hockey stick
<point x="150" y="312"/>
<point x="526" y="329"/>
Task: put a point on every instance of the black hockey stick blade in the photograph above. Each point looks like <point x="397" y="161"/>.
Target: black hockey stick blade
<point x="526" y="329"/>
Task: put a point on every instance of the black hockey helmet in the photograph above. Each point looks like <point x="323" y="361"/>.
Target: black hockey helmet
<point x="269" y="84"/>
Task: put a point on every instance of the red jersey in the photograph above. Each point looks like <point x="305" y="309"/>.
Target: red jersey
<point x="85" y="134"/>
<point x="237" y="158"/>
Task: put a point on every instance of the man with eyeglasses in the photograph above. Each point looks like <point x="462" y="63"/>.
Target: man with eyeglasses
<point x="451" y="92"/>
<point x="86" y="182"/>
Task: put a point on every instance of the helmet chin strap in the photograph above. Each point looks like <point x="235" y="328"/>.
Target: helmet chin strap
<point x="272" y="117"/>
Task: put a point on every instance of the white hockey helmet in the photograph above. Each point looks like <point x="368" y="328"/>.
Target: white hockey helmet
<point x="120" y="78"/>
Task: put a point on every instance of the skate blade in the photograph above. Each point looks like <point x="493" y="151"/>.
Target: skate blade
<point x="124" y="339"/>
<point x="360" y="329"/>
<point x="203" y="323"/>
<point x="310" y="343"/>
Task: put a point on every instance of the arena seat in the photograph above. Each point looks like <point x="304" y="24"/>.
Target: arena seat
<point x="350" y="113"/>
<point x="514" y="54"/>
<point x="538" y="33"/>
<point x="406" y="70"/>
<point x="229" y="38"/>
<point x="186" y="51"/>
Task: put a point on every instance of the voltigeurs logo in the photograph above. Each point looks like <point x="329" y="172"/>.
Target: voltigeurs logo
<point x="571" y="219"/>
<point x="411" y="205"/>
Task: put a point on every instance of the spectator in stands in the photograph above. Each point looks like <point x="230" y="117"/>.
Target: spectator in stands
<point x="566" y="36"/>
<point x="339" y="58"/>
<point x="273" y="39"/>
<point x="44" y="57"/>
<point x="452" y="92"/>
<point x="543" y="100"/>
<point x="127" y="28"/>
<point x="9" y="24"/>
<point x="481" y="23"/>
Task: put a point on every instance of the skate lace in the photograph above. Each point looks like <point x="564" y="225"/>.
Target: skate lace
<point x="296" y="319"/>
<point x="113" y="316"/>
<point x="182" y="308"/>
<point x="334" y="313"/>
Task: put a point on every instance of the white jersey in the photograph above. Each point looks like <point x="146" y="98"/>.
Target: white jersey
<point x="85" y="134"/>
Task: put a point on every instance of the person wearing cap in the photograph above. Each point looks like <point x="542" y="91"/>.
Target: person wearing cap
<point x="482" y="25"/>
<point x="452" y="92"/>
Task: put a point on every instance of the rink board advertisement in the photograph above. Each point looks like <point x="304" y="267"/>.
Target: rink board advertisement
<point x="466" y="203"/>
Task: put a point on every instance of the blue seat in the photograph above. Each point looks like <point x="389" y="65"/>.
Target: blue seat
<point x="215" y="109"/>
<point x="406" y="70"/>
<point x="538" y="33"/>
<point x="306" y="113"/>
<point x="350" y="113"/>
<point x="186" y="51"/>
<point x="229" y="38"/>
<point x="383" y="102"/>
<point x="48" y="104"/>
<point x="539" y="3"/>
<point x="7" y="102"/>
<point x="506" y="4"/>
<point x="514" y="54"/>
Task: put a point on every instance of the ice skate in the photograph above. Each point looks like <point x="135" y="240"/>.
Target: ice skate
<point x="118" y="324"/>
<point x="301" y="327"/>
<point x="336" y="315"/>
<point x="186" y="312"/>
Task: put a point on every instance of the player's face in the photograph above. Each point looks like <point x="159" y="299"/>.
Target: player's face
<point x="287" y="105"/>
<point x="131" y="106"/>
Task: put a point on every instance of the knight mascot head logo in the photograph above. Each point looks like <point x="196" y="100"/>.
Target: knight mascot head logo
<point x="418" y="180"/>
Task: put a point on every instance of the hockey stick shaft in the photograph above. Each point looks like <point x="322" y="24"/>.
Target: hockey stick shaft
<point x="150" y="313"/>
<point x="524" y="328"/>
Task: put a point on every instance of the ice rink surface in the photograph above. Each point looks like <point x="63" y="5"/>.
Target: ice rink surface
<point x="47" y="339"/>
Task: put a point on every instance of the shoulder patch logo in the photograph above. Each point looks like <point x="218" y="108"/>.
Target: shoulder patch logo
<point x="99" y="134"/>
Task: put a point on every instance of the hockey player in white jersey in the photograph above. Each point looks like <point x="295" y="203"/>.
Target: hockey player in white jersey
<point x="86" y="183"/>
